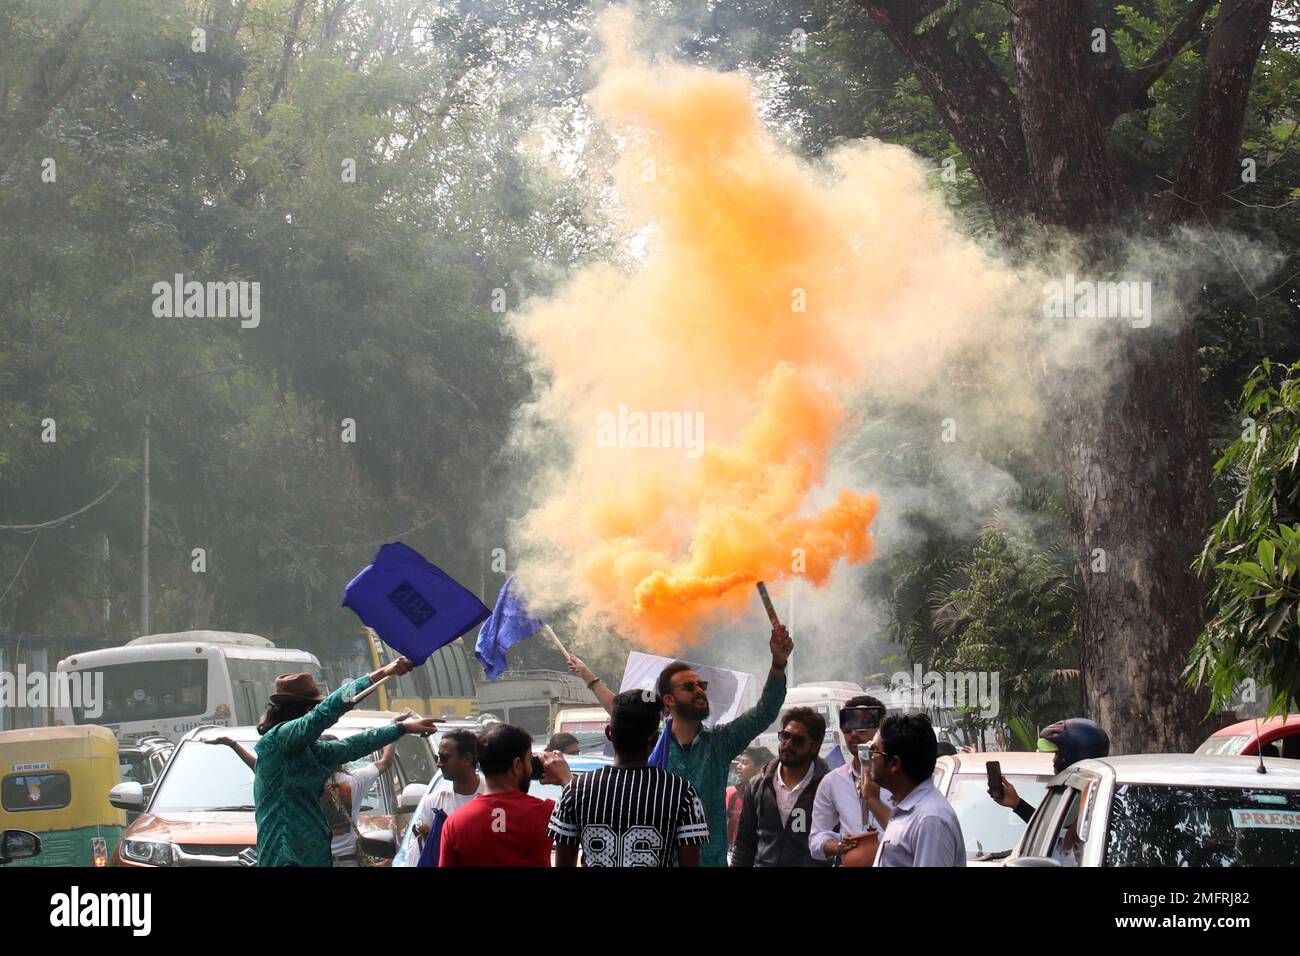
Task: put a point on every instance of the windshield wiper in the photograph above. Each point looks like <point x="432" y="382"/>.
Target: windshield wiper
<point x="246" y="806"/>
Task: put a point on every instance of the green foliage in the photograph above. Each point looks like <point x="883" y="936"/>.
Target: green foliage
<point x="1007" y="608"/>
<point x="1252" y="555"/>
<point x="375" y="304"/>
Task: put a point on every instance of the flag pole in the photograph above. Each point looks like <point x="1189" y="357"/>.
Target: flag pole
<point x="551" y="635"/>
<point x="370" y="690"/>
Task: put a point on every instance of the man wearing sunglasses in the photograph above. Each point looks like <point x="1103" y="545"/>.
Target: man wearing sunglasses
<point x="458" y="784"/>
<point x="849" y="805"/>
<point x="703" y="755"/>
<point x="778" y="802"/>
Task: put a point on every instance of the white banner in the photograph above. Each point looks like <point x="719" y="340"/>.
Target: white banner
<point x="730" y="692"/>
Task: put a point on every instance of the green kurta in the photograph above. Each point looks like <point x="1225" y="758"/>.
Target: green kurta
<point x="292" y="768"/>
<point x="708" y="759"/>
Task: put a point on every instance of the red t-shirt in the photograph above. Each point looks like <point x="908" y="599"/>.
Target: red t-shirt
<point x="498" y="829"/>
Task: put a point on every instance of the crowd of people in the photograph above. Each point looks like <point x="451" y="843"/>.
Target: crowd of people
<point x="664" y="801"/>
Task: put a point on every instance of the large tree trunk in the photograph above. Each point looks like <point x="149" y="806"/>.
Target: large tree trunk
<point x="1134" y="450"/>
<point x="1136" y="469"/>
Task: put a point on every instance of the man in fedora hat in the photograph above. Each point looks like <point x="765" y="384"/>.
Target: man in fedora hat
<point x="293" y="763"/>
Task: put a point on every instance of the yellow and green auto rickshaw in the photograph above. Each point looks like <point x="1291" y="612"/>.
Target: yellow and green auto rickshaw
<point x="54" y="782"/>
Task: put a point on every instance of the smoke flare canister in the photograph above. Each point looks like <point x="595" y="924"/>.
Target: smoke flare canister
<point x="767" y="603"/>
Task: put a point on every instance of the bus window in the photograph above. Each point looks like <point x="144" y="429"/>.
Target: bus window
<point x="246" y="704"/>
<point x="151" y="690"/>
<point x="258" y="676"/>
<point x="535" y="720"/>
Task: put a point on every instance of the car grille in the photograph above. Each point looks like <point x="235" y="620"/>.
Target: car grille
<point x="218" y="849"/>
<point x="218" y="854"/>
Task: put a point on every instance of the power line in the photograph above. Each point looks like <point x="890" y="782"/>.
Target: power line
<point x="55" y="522"/>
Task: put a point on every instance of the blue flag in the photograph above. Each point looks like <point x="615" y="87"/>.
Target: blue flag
<point x="432" y="851"/>
<point x="659" y="756"/>
<point x="835" y="759"/>
<point x="412" y="605"/>
<point x="509" y="624"/>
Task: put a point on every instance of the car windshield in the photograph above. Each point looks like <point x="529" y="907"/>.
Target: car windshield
<point x="211" y="777"/>
<point x="1203" y="826"/>
<point x="204" y="777"/>
<point x="1231" y="745"/>
<point x="988" y="826"/>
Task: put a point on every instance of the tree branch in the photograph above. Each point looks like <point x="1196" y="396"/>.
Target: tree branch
<point x="286" y="57"/>
<point x="977" y="105"/>
<point x="1146" y="75"/>
<point x="46" y="85"/>
<point x="1210" y="158"/>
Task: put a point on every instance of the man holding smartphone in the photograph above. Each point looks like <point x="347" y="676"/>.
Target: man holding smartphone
<point x="848" y="805"/>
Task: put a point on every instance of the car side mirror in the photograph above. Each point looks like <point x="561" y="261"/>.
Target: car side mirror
<point x="1033" y="861"/>
<point x="127" y="796"/>
<point x="378" y="843"/>
<point x="411" y="796"/>
<point x="18" y="845"/>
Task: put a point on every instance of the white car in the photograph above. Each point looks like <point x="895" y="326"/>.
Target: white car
<point x="1167" y="810"/>
<point x="990" y="829"/>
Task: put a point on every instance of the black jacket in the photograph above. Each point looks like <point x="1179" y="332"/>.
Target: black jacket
<point x="761" y="840"/>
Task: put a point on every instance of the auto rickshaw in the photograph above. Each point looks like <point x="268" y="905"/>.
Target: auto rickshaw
<point x="54" y="782"/>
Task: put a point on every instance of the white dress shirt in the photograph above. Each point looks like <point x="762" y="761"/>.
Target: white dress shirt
<point x="787" y="797"/>
<point x="837" y="809"/>
<point x="923" y="831"/>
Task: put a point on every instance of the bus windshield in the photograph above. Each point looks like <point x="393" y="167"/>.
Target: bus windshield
<point x="151" y="690"/>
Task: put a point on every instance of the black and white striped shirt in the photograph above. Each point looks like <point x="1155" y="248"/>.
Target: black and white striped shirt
<point x="629" y="816"/>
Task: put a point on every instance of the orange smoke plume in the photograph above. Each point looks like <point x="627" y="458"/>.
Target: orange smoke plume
<point x="750" y="316"/>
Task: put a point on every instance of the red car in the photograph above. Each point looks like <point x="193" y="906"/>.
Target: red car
<point x="1278" y="736"/>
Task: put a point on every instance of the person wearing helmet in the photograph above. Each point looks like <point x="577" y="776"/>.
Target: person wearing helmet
<point x="1071" y="740"/>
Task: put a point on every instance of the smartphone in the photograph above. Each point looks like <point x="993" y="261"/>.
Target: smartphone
<point x="767" y="603"/>
<point x="539" y="768"/>
<point x="994" y="770"/>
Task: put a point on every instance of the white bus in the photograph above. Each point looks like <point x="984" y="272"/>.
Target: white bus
<point x="168" y="684"/>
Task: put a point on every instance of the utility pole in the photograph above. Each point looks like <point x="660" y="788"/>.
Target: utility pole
<point x="144" y="535"/>
<point x="108" y="601"/>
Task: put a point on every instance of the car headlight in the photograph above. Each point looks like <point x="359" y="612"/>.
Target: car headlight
<point x="149" y="852"/>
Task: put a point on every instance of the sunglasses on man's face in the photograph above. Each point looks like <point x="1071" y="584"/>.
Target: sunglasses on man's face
<point x="786" y="737"/>
<point x="690" y="685"/>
